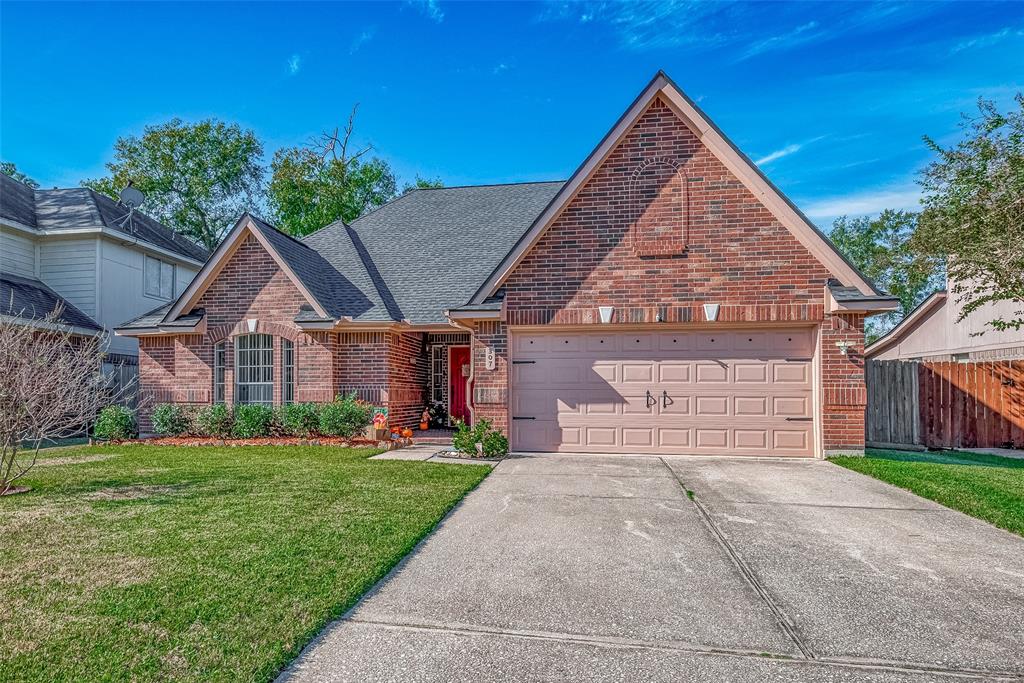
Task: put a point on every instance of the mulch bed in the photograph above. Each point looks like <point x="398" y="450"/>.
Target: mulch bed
<point x="263" y="441"/>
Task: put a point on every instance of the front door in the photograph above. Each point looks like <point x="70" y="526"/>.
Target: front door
<point x="458" y="373"/>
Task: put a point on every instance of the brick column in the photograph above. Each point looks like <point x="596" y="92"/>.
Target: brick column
<point x="490" y="387"/>
<point x="844" y="394"/>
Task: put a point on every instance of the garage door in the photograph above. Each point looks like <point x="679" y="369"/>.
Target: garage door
<point x="716" y="393"/>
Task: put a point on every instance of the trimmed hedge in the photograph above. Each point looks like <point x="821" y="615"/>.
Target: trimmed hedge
<point x="492" y="441"/>
<point x="116" y="423"/>
<point x="299" y="419"/>
<point x="171" y="419"/>
<point x="253" y="420"/>
<point x="346" y="416"/>
<point x="215" y="420"/>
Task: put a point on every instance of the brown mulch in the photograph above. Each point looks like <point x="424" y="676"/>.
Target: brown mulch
<point x="262" y="441"/>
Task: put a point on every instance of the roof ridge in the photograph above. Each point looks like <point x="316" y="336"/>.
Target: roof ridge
<point x="279" y="230"/>
<point x="469" y="187"/>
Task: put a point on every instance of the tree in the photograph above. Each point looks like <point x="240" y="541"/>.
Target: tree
<point x="8" y="168"/>
<point x="974" y="211"/>
<point x="422" y="183"/>
<point x="880" y="248"/>
<point x="197" y="177"/>
<point x="52" y="388"/>
<point x="323" y="181"/>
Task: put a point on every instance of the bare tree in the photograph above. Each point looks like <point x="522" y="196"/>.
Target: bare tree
<point x="51" y="387"/>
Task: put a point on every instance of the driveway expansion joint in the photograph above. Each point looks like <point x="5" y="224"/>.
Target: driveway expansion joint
<point x="745" y="570"/>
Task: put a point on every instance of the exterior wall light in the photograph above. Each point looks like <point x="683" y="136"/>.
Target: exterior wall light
<point x="711" y="312"/>
<point x="844" y="346"/>
<point x="606" y="313"/>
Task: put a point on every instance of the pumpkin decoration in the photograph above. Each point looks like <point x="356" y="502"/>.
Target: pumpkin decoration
<point x="407" y="433"/>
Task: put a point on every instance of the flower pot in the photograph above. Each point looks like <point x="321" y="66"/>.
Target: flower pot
<point x="424" y="426"/>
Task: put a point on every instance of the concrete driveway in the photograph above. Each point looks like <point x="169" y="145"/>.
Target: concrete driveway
<point x="604" y="569"/>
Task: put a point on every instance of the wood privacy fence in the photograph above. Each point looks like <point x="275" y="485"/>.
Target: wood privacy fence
<point x="945" y="404"/>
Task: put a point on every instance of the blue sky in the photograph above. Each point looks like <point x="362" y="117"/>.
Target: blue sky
<point x="831" y="98"/>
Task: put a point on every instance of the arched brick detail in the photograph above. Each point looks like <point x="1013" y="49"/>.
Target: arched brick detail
<point x="659" y="202"/>
<point x="221" y="332"/>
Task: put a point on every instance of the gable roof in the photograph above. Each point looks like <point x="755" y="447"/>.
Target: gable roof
<point x="909" y="323"/>
<point x="738" y="163"/>
<point x="429" y="250"/>
<point x="80" y="208"/>
<point x="31" y="300"/>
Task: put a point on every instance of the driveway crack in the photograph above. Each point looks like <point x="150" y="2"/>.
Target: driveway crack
<point x="748" y="574"/>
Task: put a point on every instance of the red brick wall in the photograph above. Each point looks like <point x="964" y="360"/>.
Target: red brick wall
<point x="384" y="368"/>
<point x="490" y="387"/>
<point x="660" y="229"/>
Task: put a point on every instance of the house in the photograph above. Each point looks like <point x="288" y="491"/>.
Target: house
<point x="73" y="247"/>
<point x="667" y="298"/>
<point x="933" y="331"/>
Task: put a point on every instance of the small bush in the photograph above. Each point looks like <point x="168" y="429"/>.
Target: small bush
<point x="252" y="421"/>
<point x="215" y="420"/>
<point x="116" y="423"/>
<point x="346" y="416"/>
<point x="465" y="439"/>
<point x="300" y="419"/>
<point x="170" y="419"/>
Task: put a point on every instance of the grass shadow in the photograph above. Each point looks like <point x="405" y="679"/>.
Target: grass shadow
<point x="946" y="458"/>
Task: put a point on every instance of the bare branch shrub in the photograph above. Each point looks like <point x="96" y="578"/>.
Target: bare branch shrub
<point x="51" y="387"/>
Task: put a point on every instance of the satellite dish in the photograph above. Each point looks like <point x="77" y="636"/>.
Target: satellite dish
<point x="131" y="197"/>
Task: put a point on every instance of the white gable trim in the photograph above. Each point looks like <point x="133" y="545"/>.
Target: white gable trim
<point x="730" y="156"/>
<point x="227" y="248"/>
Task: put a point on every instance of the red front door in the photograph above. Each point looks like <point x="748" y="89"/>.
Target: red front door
<point x="458" y="373"/>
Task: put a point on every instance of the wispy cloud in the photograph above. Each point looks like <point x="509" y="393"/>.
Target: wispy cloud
<point x="500" y="68"/>
<point x="430" y="8"/>
<point x="865" y="203"/>
<point x="294" y="64"/>
<point x="363" y="38"/>
<point x="805" y="33"/>
<point x="987" y="40"/>
<point x="785" y="151"/>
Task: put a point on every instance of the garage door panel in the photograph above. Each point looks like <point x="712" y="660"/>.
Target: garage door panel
<point x="745" y="392"/>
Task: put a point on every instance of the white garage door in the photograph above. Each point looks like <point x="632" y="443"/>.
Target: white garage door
<point x="729" y="392"/>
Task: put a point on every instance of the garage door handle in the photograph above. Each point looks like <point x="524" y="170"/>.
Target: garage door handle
<point x="799" y="419"/>
<point x="520" y="417"/>
<point x="666" y="401"/>
<point x="523" y="362"/>
<point x="650" y="399"/>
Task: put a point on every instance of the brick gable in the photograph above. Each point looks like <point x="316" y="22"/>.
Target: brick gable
<point x="726" y="246"/>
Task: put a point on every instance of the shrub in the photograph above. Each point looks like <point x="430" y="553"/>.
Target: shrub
<point x="215" y="420"/>
<point x="170" y="419"/>
<point x="346" y="416"/>
<point x="115" y="422"/>
<point x="253" y="420"/>
<point x="465" y="439"/>
<point x="300" y="419"/>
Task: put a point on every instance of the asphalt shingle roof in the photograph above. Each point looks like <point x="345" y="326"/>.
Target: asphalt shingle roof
<point x="430" y="249"/>
<point x="76" y="208"/>
<point x="26" y="298"/>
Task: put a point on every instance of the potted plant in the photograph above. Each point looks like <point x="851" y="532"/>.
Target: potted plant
<point x="379" y="427"/>
<point x="425" y="420"/>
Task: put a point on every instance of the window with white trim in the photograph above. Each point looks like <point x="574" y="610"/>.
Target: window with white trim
<point x="287" y="371"/>
<point x="218" y="372"/>
<point x="158" y="278"/>
<point x="254" y="369"/>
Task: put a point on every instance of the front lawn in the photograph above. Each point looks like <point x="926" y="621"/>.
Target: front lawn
<point x="156" y="563"/>
<point x="984" y="486"/>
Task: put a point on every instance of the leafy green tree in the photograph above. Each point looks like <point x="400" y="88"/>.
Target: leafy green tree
<point x="880" y="248"/>
<point x="974" y="211"/>
<point x="318" y="183"/>
<point x="198" y="178"/>
<point x="8" y="168"/>
<point x="422" y="183"/>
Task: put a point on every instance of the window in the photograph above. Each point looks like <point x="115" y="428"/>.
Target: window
<point x="218" y="373"/>
<point x="287" y="371"/>
<point x="438" y="360"/>
<point x="159" y="278"/>
<point x="254" y="369"/>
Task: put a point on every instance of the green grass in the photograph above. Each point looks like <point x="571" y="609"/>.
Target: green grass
<point x="984" y="486"/>
<point x="155" y="563"/>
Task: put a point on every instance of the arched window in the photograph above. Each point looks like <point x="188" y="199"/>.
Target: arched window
<point x="254" y="369"/>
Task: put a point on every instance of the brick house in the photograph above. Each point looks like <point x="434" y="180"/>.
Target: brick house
<point x="667" y="298"/>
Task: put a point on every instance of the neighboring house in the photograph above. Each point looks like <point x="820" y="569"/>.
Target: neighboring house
<point x="933" y="332"/>
<point x="72" y="246"/>
<point x="665" y="299"/>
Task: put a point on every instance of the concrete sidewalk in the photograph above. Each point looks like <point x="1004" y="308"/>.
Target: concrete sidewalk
<point x="602" y="568"/>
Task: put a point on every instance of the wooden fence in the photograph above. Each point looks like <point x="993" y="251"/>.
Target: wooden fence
<point x="945" y="404"/>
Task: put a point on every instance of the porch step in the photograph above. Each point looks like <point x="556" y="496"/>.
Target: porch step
<point x="440" y="437"/>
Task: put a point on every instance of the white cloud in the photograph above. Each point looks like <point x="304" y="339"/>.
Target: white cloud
<point x="500" y="68"/>
<point x="430" y="8"/>
<point x="987" y="40"/>
<point x="864" y="203"/>
<point x="294" y="64"/>
<point x="362" y="39"/>
<point x="785" y="151"/>
<point x="804" y="33"/>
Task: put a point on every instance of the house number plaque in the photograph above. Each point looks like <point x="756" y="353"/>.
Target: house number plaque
<point x="489" y="358"/>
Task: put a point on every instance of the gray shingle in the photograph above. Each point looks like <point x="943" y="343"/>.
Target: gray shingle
<point x="23" y="297"/>
<point x="17" y="201"/>
<point x="430" y="249"/>
<point x="845" y="293"/>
